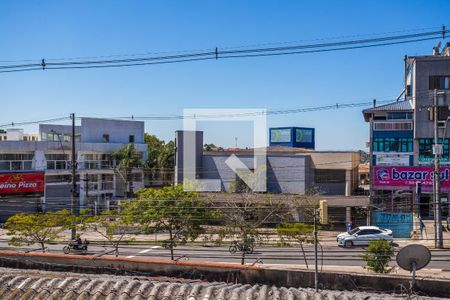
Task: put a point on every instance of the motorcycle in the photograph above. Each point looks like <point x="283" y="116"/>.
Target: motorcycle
<point x="75" y="247"/>
<point x="246" y="247"/>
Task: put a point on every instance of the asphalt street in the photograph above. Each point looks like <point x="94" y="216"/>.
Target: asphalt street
<point x="330" y="256"/>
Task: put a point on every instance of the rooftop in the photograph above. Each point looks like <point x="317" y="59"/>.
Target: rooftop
<point x="34" y="284"/>
<point x="274" y="149"/>
<point x="405" y="105"/>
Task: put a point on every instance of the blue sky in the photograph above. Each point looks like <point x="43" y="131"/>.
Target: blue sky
<point x="59" y="29"/>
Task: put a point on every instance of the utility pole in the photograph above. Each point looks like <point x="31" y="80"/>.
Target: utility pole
<point x="74" y="209"/>
<point x="437" y="151"/>
<point x="316" y="267"/>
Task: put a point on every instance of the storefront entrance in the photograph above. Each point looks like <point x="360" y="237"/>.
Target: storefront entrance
<point x="426" y="207"/>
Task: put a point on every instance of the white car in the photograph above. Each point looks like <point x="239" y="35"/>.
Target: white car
<point x="363" y="235"/>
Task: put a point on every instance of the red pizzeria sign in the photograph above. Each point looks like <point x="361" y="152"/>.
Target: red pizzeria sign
<point x="22" y="183"/>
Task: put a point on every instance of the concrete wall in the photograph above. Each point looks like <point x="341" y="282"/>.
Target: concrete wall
<point x="92" y="130"/>
<point x="285" y="174"/>
<point x="220" y="272"/>
<point x="425" y="67"/>
<point x="188" y="156"/>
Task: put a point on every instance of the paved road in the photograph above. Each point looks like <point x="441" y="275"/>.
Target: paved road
<point x="332" y="255"/>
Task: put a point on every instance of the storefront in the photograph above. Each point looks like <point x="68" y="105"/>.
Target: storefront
<point x="21" y="192"/>
<point x="410" y="189"/>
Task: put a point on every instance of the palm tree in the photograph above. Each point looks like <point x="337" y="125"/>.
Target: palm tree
<point x="127" y="159"/>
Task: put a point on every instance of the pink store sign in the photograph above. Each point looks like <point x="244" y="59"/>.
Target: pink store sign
<point x="408" y="176"/>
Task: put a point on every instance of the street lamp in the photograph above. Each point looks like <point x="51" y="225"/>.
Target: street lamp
<point x="437" y="151"/>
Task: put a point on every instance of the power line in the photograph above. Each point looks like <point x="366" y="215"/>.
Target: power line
<point x="215" y="53"/>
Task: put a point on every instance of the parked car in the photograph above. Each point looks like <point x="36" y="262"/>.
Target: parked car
<point x="362" y="235"/>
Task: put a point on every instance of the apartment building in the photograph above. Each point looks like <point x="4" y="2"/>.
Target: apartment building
<point x="43" y="161"/>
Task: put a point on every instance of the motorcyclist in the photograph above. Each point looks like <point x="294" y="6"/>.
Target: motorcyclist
<point x="77" y="241"/>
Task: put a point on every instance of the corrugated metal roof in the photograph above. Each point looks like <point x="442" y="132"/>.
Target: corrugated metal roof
<point x="405" y="105"/>
<point x="15" y="284"/>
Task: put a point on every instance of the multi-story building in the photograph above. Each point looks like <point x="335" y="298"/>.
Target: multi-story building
<point x="46" y="157"/>
<point x="402" y="139"/>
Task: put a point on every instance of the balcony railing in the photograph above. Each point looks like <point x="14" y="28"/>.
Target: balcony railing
<point x="15" y="165"/>
<point x="58" y="165"/>
<point x="96" y="164"/>
<point x="393" y="125"/>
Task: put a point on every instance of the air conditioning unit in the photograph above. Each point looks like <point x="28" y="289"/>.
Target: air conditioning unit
<point x="441" y="124"/>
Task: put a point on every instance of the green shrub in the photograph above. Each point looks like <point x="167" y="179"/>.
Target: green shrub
<point x="378" y="255"/>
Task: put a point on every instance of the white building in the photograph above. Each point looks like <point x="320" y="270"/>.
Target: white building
<point x="99" y="182"/>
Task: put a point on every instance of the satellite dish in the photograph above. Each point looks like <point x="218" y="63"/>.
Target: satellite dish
<point x="413" y="257"/>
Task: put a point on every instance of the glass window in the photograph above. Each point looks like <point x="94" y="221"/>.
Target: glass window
<point x="426" y="148"/>
<point x="393" y="145"/>
<point x="131" y="139"/>
<point x="439" y="82"/>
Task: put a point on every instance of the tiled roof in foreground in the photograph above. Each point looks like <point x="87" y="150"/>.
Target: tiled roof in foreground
<point x="29" y="284"/>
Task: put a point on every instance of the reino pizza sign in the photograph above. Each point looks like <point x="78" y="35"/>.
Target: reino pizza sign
<point x="408" y="176"/>
<point x="22" y="183"/>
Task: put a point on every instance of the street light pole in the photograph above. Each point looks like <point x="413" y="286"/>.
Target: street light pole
<point x="316" y="266"/>
<point x="74" y="180"/>
<point x="438" y="242"/>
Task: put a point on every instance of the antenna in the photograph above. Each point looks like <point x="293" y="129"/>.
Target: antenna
<point x="412" y="258"/>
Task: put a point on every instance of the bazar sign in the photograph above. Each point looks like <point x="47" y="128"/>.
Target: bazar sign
<point x="22" y="183"/>
<point x="408" y="176"/>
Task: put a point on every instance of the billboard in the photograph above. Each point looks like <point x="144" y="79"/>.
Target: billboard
<point x="280" y="135"/>
<point x="408" y="176"/>
<point x="22" y="183"/>
<point x="304" y="135"/>
<point x="390" y="159"/>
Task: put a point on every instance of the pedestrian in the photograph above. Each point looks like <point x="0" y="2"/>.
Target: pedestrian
<point x="349" y="226"/>
<point x="422" y="228"/>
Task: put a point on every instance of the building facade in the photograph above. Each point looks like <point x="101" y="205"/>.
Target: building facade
<point x="289" y="171"/>
<point x="99" y="182"/>
<point x="402" y="139"/>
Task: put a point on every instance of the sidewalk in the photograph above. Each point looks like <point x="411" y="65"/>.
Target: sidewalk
<point x="326" y="238"/>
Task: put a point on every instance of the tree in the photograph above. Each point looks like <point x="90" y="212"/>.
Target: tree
<point x="209" y="147"/>
<point x="378" y="255"/>
<point x="298" y="232"/>
<point x="173" y="210"/>
<point x="161" y="158"/>
<point x="166" y="162"/>
<point x="111" y="225"/>
<point x="246" y="213"/>
<point x="128" y="158"/>
<point x="42" y="228"/>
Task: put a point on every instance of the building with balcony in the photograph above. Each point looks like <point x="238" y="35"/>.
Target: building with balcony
<point x="99" y="182"/>
<point x="402" y="139"/>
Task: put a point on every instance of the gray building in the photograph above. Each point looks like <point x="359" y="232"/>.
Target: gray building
<point x="289" y="171"/>
<point x="99" y="183"/>
<point x="402" y="138"/>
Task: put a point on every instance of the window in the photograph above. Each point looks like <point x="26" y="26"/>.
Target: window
<point x="439" y="82"/>
<point x="399" y="116"/>
<point x="16" y="156"/>
<point x="329" y="176"/>
<point x="392" y="144"/>
<point x="426" y="148"/>
<point x="106" y="138"/>
<point x="131" y="139"/>
<point x="408" y="90"/>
